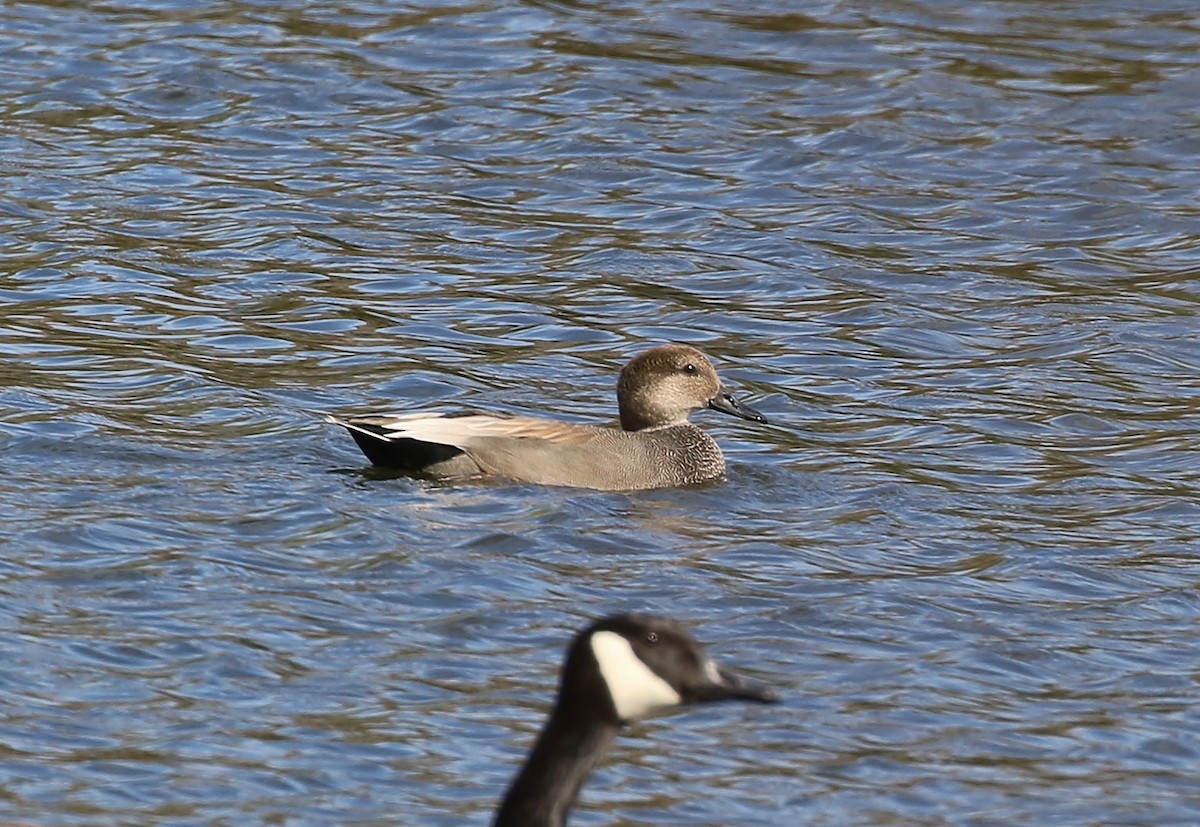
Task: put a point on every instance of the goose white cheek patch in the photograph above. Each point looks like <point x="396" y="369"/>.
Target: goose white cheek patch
<point x="636" y="691"/>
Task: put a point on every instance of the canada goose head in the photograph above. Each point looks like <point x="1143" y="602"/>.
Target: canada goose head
<point x="618" y="670"/>
<point x="635" y="665"/>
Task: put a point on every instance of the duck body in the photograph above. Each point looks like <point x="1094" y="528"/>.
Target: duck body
<point x="656" y="447"/>
<point x="618" y="670"/>
<point x="542" y="451"/>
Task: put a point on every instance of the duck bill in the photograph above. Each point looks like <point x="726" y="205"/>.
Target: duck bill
<point x="725" y="403"/>
<point x="723" y="685"/>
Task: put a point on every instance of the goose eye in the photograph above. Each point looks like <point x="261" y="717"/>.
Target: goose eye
<point x="652" y="637"/>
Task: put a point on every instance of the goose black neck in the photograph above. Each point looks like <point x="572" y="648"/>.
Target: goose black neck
<point x="566" y="752"/>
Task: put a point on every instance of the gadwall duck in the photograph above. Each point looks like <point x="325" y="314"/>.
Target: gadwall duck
<point x="618" y="670"/>
<point x="656" y="447"/>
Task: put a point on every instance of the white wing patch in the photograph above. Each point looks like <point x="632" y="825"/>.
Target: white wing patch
<point x="713" y="673"/>
<point x="636" y="690"/>
<point x="466" y="431"/>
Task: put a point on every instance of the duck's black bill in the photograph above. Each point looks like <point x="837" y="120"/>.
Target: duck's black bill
<point x="725" y="403"/>
<point x="731" y="687"/>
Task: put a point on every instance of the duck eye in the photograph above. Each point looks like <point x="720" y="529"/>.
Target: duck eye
<point x="652" y="637"/>
<point x="689" y="368"/>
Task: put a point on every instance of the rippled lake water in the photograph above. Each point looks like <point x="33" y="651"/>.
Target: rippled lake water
<point x="950" y="249"/>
